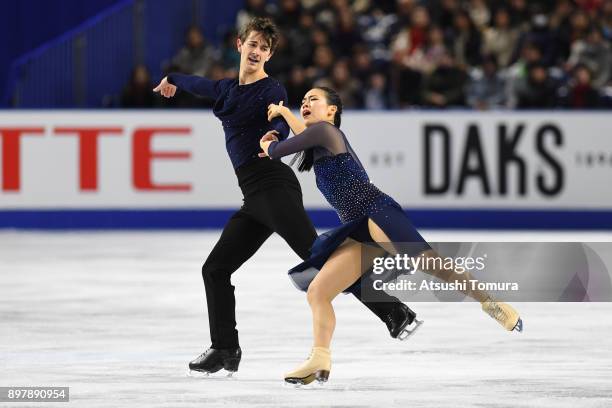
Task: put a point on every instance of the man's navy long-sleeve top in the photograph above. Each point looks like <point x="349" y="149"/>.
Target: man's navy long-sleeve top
<point x="242" y="109"/>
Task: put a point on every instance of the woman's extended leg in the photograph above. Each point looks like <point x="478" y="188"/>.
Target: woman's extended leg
<point x="440" y="272"/>
<point x="503" y="313"/>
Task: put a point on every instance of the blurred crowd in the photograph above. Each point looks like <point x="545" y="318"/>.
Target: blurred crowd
<point x="395" y="54"/>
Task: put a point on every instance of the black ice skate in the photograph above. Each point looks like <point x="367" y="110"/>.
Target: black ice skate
<point x="213" y="360"/>
<point x="402" y="322"/>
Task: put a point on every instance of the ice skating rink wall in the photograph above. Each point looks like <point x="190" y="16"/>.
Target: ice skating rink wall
<point x="168" y="169"/>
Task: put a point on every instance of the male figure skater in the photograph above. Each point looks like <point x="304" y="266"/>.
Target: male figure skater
<point x="272" y="194"/>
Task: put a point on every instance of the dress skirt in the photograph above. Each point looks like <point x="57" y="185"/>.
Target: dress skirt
<point x="390" y="218"/>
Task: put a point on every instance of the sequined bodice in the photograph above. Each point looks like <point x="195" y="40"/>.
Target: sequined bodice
<point x="347" y="187"/>
<point x="340" y="176"/>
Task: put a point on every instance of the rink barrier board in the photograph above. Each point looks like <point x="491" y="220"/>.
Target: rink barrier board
<point x="169" y="169"/>
<point x="198" y="219"/>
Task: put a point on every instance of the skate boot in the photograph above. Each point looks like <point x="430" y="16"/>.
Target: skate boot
<point x="213" y="360"/>
<point x="400" y="321"/>
<point x="317" y="367"/>
<point x="504" y="314"/>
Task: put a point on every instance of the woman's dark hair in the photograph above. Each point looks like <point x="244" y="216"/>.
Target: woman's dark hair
<point x="333" y="99"/>
<point x="305" y="158"/>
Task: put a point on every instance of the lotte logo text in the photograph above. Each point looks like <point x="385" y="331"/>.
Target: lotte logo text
<point x="143" y="154"/>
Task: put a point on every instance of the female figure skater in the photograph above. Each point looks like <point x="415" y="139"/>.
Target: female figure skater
<point x="367" y="214"/>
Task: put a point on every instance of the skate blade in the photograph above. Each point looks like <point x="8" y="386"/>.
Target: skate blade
<point x="298" y="382"/>
<point x="309" y="382"/>
<point x="519" y="326"/>
<point x="230" y="375"/>
<point x="197" y="374"/>
<point x="320" y="375"/>
<point x="410" y="330"/>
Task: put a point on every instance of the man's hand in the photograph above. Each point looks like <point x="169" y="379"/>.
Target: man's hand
<point x="265" y="141"/>
<point x="165" y="88"/>
<point x="275" y="110"/>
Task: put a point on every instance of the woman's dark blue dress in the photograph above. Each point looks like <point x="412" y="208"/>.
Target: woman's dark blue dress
<point x="345" y="184"/>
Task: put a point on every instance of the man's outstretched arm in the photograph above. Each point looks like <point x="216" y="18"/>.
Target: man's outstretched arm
<point x="193" y="84"/>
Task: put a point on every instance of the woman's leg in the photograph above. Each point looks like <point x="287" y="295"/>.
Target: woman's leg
<point x="505" y="314"/>
<point x="342" y="268"/>
<point x="440" y="272"/>
<point x="340" y="271"/>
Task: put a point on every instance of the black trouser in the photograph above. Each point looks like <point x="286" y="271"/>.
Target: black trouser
<point x="272" y="203"/>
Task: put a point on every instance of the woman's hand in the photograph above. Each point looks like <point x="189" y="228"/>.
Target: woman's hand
<point x="275" y="110"/>
<point x="266" y="140"/>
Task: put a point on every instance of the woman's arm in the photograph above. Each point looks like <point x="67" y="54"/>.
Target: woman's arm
<point x="320" y="134"/>
<point x="275" y="94"/>
<point x="296" y="125"/>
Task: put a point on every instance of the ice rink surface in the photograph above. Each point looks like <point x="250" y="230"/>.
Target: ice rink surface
<point x="117" y="316"/>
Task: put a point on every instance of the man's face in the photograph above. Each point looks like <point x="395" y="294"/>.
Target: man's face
<point x="254" y="52"/>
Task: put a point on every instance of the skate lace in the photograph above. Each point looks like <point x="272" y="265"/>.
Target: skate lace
<point x="496" y="312"/>
<point x="205" y="353"/>
<point x="389" y="319"/>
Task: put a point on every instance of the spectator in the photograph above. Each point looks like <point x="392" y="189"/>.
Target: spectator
<point x="251" y="9"/>
<point x="444" y="11"/>
<point x="376" y="95"/>
<point x="479" y="13"/>
<point x="345" y="35"/>
<point x="385" y="6"/>
<point x="217" y="72"/>
<point x="540" y="90"/>
<point x="467" y="41"/>
<point x="561" y="25"/>
<point x="594" y="52"/>
<point x="297" y="86"/>
<point x="445" y="87"/>
<point x="412" y="37"/>
<point x="346" y="86"/>
<point x="137" y="93"/>
<point x="362" y="64"/>
<point x="427" y="59"/>
<point x="582" y="94"/>
<point x="319" y="37"/>
<point x="500" y="40"/>
<point x="377" y="29"/>
<point x="487" y="88"/>
<point x="407" y="80"/>
<point x="282" y="62"/>
<point x="403" y="16"/>
<point x="519" y="14"/>
<point x="299" y="39"/>
<point x="288" y="14"/>
<point x="230" y="58"/>
<point x="543" y="37"/>
<point x="196" y="56"/>
<point x="606" y="20"/>
<point x="323" y="61"/>
<point x="517" y="74"/>
<point x="591" y="7"/>
<point x="580" y="24"/>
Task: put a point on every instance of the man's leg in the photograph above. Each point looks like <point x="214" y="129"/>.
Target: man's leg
<point x="283" y="211"/>
<point x="240" y="239"/>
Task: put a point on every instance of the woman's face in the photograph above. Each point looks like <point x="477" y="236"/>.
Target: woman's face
<point x="315" y="108"/>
